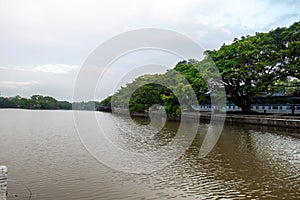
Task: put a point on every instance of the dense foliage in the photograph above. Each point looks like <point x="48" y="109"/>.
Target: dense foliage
<point x="252" y="66"/>
<point x="259" y="64"/>
<point x="174" y="90"/>
<point x="45" y="103"/>
<point x="34" y="102"/>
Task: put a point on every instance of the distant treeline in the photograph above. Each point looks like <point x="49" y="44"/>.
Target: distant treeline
<point x="45" y="103"/>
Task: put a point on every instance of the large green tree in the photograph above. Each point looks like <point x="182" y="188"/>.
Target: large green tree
<point x="250" y="67"/>
<point x="253" y="65"/>
<point x="174" y="90"/>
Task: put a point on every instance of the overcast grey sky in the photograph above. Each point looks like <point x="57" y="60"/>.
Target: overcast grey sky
<point x="44" y="43"/>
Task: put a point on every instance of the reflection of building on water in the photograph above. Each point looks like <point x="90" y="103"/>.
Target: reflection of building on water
<point x="279" y="154"/>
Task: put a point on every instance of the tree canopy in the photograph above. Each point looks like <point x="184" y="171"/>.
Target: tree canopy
<point x="34" y="102"/>
<point x="254" y="65"/>
<point x="250" y="67"/>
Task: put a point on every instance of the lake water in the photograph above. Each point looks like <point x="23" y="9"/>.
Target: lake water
<point x="47" y="161"/>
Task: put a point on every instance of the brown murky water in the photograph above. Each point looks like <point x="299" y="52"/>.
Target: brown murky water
<point x="46" y="160"/>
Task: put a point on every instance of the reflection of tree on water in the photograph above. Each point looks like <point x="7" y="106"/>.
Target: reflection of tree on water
<point x="244" y="162"/>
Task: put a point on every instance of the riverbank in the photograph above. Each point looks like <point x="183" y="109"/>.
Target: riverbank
<point x="272" y="120"/>
<point x="264" y="120"/>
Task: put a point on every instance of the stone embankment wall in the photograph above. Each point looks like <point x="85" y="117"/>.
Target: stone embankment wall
<point x="265" y="120"/>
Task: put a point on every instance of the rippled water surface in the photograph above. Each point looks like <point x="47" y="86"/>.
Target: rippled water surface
<point x="47" y="160"/>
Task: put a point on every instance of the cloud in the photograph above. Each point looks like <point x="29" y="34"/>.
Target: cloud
<point x="35" y="34"/>
<point x="55" y="69"/>
<point x="59" y="26"/>
<point x="17" y="84"/>
<point x="56" y="80"/>
<point x="48" y="68"/>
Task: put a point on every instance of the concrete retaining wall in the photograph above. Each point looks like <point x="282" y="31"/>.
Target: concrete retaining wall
<point x="265" y="120"/>
<point x="269" y="120"/>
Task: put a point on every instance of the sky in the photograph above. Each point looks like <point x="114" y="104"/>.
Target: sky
<point x="43" y="44"/>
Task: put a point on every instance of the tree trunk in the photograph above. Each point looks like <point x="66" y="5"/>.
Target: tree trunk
<point x="246" y="109"/>
<point x="244" y="104"/>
